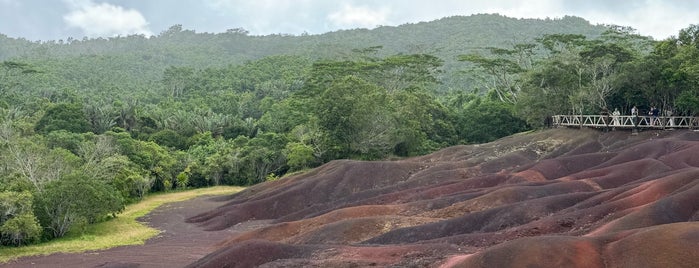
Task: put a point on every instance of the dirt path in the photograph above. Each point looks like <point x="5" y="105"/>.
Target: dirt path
<point x="179" y="244"/>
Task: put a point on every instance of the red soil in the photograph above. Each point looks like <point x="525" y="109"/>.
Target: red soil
<point x="554" y="198"/>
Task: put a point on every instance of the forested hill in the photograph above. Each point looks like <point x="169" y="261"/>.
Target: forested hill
<point x="96" y="123"/>
<point x="146" y="58"/>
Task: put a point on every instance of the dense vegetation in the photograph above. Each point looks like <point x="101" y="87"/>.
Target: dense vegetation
<point x="87" y="126"/>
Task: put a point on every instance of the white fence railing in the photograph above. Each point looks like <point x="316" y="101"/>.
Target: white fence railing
<point x="626" y="121"/>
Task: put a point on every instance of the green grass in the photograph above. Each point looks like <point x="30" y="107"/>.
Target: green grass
<point x="121" y="231"/>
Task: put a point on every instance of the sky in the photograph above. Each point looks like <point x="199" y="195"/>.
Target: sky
<point x="43" y="20"/>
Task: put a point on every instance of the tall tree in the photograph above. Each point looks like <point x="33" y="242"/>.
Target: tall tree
<point x="64" y="116"/>
<point x="179" y="80"/>
<point x="503" y="67"/>
<point x="354" y="114"/>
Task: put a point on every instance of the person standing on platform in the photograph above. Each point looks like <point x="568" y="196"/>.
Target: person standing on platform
<point x="634" y="114"/>
<point x="615" y="117"/>
<point x="654" y="112"/>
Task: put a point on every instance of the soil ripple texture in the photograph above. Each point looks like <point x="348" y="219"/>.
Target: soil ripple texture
<point x="552" y="198"/>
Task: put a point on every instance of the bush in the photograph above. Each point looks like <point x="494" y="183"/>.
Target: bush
<point x="18" y="225"/>
<point x="63" y="116"/>
<point x="182" y="180"/>
<point x="688" y="102"/>
<point x="486" y="120"/>
<point x="298" y="155"/>
<point x="73" y="199"/>
<point x="170" y="138"/>
<point x="20" y="230"/>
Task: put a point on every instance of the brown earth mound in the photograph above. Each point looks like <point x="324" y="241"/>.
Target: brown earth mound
<point x="554" y="198"/>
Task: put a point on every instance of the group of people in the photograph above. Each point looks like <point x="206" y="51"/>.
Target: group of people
<point x="655" y="118"/>
<point x="654" y="112"/>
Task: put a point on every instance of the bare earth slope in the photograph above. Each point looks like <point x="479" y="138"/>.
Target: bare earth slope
<point x="554" y="198"/>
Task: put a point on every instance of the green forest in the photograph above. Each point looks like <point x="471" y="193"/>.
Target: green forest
<point x="88" y="126"/>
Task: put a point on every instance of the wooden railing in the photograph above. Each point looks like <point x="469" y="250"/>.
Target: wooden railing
<point x="626" y="121"/>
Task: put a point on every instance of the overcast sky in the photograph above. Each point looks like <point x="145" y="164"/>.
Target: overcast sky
<point x="60" y="19"/>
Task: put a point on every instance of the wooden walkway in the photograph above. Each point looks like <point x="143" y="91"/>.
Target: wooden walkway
<point x="626" y="121"/>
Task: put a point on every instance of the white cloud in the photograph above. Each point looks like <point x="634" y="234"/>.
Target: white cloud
<point x="654" y="18"/>
<point x="98" y="20"/>
<point x="58" y="19"/>
<point x="659" y="18"/>
<point x="267" y="16"/>
<point x="359" y="17"/>
<point x="530" y="9"/>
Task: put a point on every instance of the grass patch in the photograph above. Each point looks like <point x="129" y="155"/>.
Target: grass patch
<point x="123" y="230"/>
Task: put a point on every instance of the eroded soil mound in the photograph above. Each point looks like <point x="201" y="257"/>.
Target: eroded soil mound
<point x="555" y="198"/>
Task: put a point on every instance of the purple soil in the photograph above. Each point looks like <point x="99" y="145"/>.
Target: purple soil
<point x="553" y="198"/>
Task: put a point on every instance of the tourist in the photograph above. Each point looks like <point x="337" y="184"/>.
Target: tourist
<point x="615" y="117"/>
<point x="654" y="112"/>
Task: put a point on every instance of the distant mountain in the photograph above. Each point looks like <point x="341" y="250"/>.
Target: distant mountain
<point x="446" y="38"/>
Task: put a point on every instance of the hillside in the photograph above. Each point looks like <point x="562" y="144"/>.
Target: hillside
<point x="554" y="198"/>
<point x="97" y="124"/>
<point x="143" y="59"/>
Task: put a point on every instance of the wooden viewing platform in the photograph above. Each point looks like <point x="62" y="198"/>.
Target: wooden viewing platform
<point x="626" y="121"/>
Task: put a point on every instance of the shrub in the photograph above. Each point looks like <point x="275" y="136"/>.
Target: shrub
<point x="20" y="230"/>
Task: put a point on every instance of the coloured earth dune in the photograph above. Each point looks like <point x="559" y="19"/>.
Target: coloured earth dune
<point x="554" y="198"/>
<point x="551" y="198"/>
